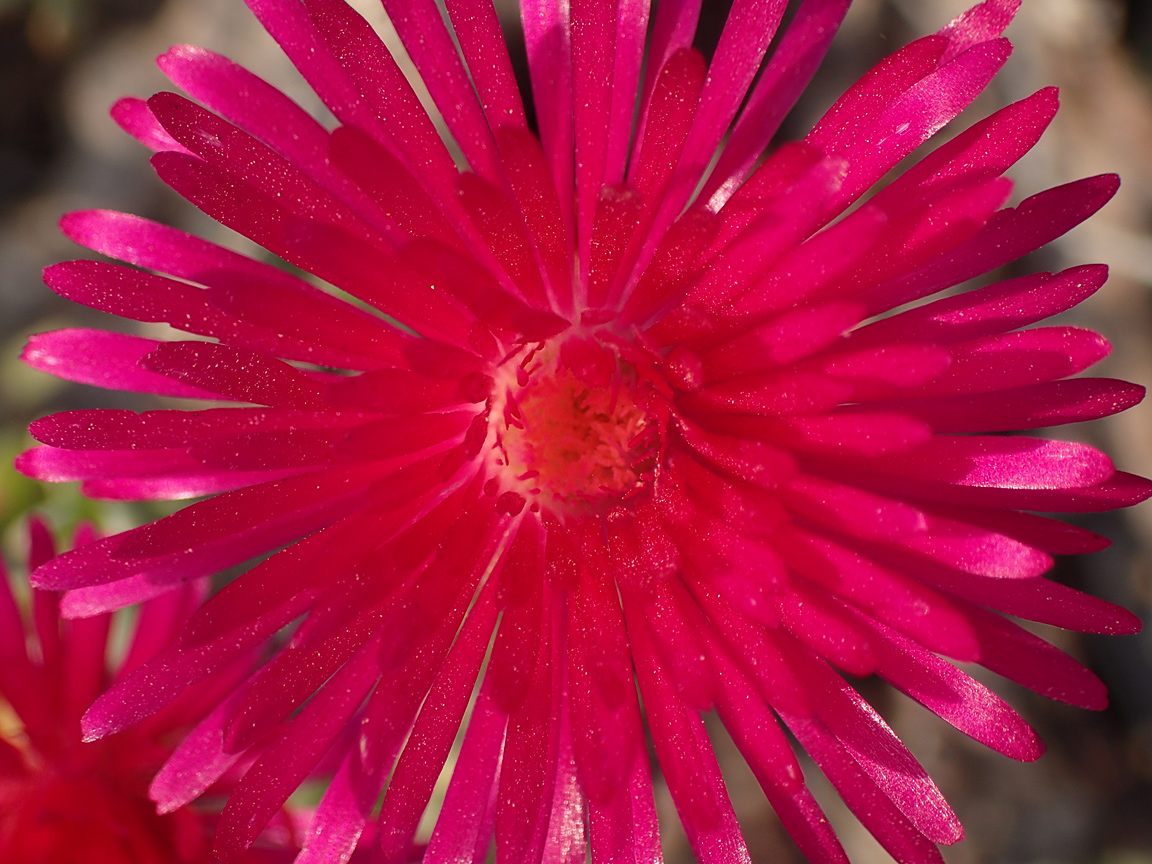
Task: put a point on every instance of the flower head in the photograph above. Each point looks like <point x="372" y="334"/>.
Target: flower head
<point x="63" y="800"/>
<point x="630" y="422"/>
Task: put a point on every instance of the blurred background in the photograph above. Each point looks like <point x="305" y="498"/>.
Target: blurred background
<point x="64" y="62"/>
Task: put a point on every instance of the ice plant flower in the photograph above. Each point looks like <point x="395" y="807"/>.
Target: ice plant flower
<point x="63" y="800"/>
<point x="631" y="422"/>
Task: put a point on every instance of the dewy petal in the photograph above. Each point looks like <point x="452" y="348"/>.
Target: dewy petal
<point x="770" y="757"/>
<point x="421" y="28"/>
<point x="477" y="30"/>
<point x="878" y="814"/>
<point x="55" y="465"/>
<point x="432" y="735"/>
<point x="983" y="21"/>
<point x="248" y="101"/>
<point x="228" y="529"/>
<point x="878" y="752"/>
<point x="631" y="30"/>
<point x="784" y="78"/>
<point x="918" y="114"/>
<point x="233" y="311"/>
<point x="988" y="147"/>
<point x="219" y="143"/>
<point x="672" y="30"/>
<point x="1011" y="651"/>
<point x="955" y="697"/>
<point x="462" y="831"/>
<point x="196" y="763"/>
<point x="548" y="40"/>
<point x="687" y="760"/>
<point x="233" y="276"/>
<point x="593" y="34"/>
<point x="867" y="99"/>
<point x="289" y="759"/>
<point x="136" y="118"/>
<point x="104" y="359"/>
<point x="748" y="30"/>
<point x="996" y="308"/>
<point x="1011" y="233"/>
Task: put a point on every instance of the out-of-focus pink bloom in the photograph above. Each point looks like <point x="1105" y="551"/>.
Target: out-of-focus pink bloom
<point x="63" y="801"/>
<point x="665" y="429"/>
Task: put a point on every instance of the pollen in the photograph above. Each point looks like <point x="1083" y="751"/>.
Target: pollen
<point x="574" y="442"/>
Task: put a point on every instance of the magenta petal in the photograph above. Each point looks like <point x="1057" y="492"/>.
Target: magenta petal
<point x="919" y="113"/>
<point x="916" y="610"/>
<point x="196" y="763"/>
<point x="984" y="21"/>
<point x="987" y="148"/>
<point x="1002" y="463"/>
<point x="605" y="720"/>
<point x="862" y="794"/>
<point x="1011" y="233"/>
<point x="548" y="39"/>
<point x="12" y="641"/>
<point x="625" y="826"/>
<point x="246" y="100"/>
<point x="156" y="623"/>
<point x="239" y="284"/>
<point x="631" y="31"/>
<point x="180" y="486"/>
<point x="881" y="86"/>
<point x="338" y="822"/>
<point x="673" y="27"/>
<point x="234" y="313"/>
<point x="1051" y="403"/>
<point x="234" y="373"/>
<point x="287" y="761"/>
<point x="878" y="752"/>
<point x="333" y="253"/>
<point x="463" y="831"/>
<point x="136" y="118"/>
<point x="771" y="759"/>
<point x="1033" y="598"/>
<point x="526" y="789"/>
<point x="432" y="736"/>
<point x="84" y="669"/>
<point x="477" y="29"/>
<point x="388" y="181"/>
<point x="265" y="113"/>
<point x="421" y="29"/>
<point x="91" y="600"/>
<point x="593" y="54"/>
<point x="747" y="33"/>
<point x="220" y="143"/>
<point x="956" y="697"/>
<point x="566" y="842"/>
<point x="1011" y="651"/>
<point x="784" y="78"/>
<point x="687" y="761"/>
<point x="55" y="465"/>
<point x="994" y="309"/>
<point x="365" y="87"/>
<point x="103" y="359"/>
<point x="210" y="535"/>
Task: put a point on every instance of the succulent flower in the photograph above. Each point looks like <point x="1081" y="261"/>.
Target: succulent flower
<point x="556" y="437"/>
<point x="63" y="800"/>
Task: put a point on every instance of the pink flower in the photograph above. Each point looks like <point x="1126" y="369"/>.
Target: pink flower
<point x="653" y="439"/>
<point x="61" y="800"/>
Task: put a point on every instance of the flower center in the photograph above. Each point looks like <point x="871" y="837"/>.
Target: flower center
<point x="570" y="443"/>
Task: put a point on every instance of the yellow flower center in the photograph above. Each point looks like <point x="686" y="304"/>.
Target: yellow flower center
<point x="569" y="444"/>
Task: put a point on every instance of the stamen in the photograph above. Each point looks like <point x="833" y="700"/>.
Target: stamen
<point x="573" y="443"/>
